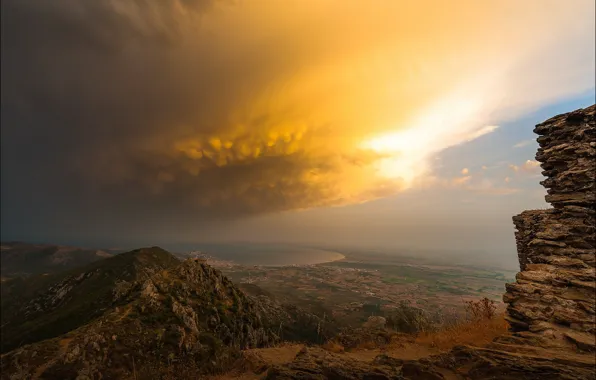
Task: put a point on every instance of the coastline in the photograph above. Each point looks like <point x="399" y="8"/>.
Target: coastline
<point x="260" y="259"/>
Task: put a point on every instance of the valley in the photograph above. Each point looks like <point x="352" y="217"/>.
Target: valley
<point x="351" y="291"/>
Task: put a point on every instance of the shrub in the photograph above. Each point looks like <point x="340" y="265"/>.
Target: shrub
<point x="409" y="319"/>
<point x="481" y="309"/>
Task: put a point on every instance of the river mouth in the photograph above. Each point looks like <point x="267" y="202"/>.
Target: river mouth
<point x="269" y="254"/>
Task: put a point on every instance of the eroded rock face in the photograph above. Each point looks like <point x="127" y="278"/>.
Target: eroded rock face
<point x="317" y="364"/>
<point x="186" y="318"/>
<point x="567" y="153"/>
<point x="504" y="361"/>
<point x="554" y="294"/>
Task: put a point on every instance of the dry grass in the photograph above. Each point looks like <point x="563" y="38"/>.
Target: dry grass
<point x="479" y="328"/>
<point x="279" y="354"/>
<point x="368" y="345"/>
<point x="481" y="325"/>
<point x="333" y="346"/>
<point x="476" y="332"/>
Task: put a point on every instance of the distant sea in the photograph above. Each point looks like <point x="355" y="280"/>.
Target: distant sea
<point x="268" y="254"/>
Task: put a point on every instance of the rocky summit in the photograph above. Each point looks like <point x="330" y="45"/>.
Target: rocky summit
<point x="41" y="307"/>
<point x="143" y="313"/>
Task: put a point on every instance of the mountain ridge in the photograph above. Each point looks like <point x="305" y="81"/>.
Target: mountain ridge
<point x="49" y="305"/>
<point x="179" y="313"/>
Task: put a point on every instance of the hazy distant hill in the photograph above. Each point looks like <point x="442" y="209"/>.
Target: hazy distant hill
<point x="23" y="259"/>
<point x="144" y="307"/>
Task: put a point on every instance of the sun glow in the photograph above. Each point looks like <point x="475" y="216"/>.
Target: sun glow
<point x="449" y="122"/>
<point x="405" y="150"/>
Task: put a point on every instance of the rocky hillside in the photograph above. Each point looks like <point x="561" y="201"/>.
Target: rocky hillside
<point x="143" y="313"/>
<point x="42" y="307"/>
<point x="23" y="259"/>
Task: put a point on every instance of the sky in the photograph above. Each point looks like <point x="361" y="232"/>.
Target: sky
<point x="361" y="123"/>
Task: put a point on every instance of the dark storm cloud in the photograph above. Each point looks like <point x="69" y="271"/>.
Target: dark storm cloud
<point x="146" y="118"/>
<point x="98" y="95"/>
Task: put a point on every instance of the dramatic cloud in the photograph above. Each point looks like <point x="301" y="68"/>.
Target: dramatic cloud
<point x="176" y="112"/>
<point x="521" y="144"/>
<point x="530" y="166"/>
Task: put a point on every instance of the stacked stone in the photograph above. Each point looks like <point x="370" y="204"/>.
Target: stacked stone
<point x="555" y="292"/>
<point x="567" y="153"/>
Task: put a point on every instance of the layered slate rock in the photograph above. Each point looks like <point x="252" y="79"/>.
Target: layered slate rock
<point x="554" y="293"/>
<point x="317" y="364"/>
<point x="505" y="361"/>
<point x="567" y="152"/>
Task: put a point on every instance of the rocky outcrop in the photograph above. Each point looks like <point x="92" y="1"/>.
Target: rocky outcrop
<point x="498" y="361"/>
<point x="183" y="317"/>
<point x="567" y="145"/>
<point x="42" y="307"/>
<point x="317" y="364"/>
<point x="512" y="362"/>
<point x="554" y="293"/>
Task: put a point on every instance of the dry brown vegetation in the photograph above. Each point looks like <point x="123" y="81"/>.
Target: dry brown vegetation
<point x="473" y="332"/>
<point x="368" y="345"/>
<point x="481" y="326"/>
<point x="254" y="362"/>
<point x="333" y="346"/>
<point x="478" y="327"/>
<point x="482" y="309"/>
<point x="478" y="332"/>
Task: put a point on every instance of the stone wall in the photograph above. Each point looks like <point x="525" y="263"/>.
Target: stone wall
<point x="554" y="295"/>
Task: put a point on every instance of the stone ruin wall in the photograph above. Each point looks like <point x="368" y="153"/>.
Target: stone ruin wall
<point x="554" y="293"/>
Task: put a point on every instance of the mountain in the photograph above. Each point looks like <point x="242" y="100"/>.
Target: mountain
<point x="23" y="259"/>
<point x="143" y="311"/>
<point x="44" y="306"/>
